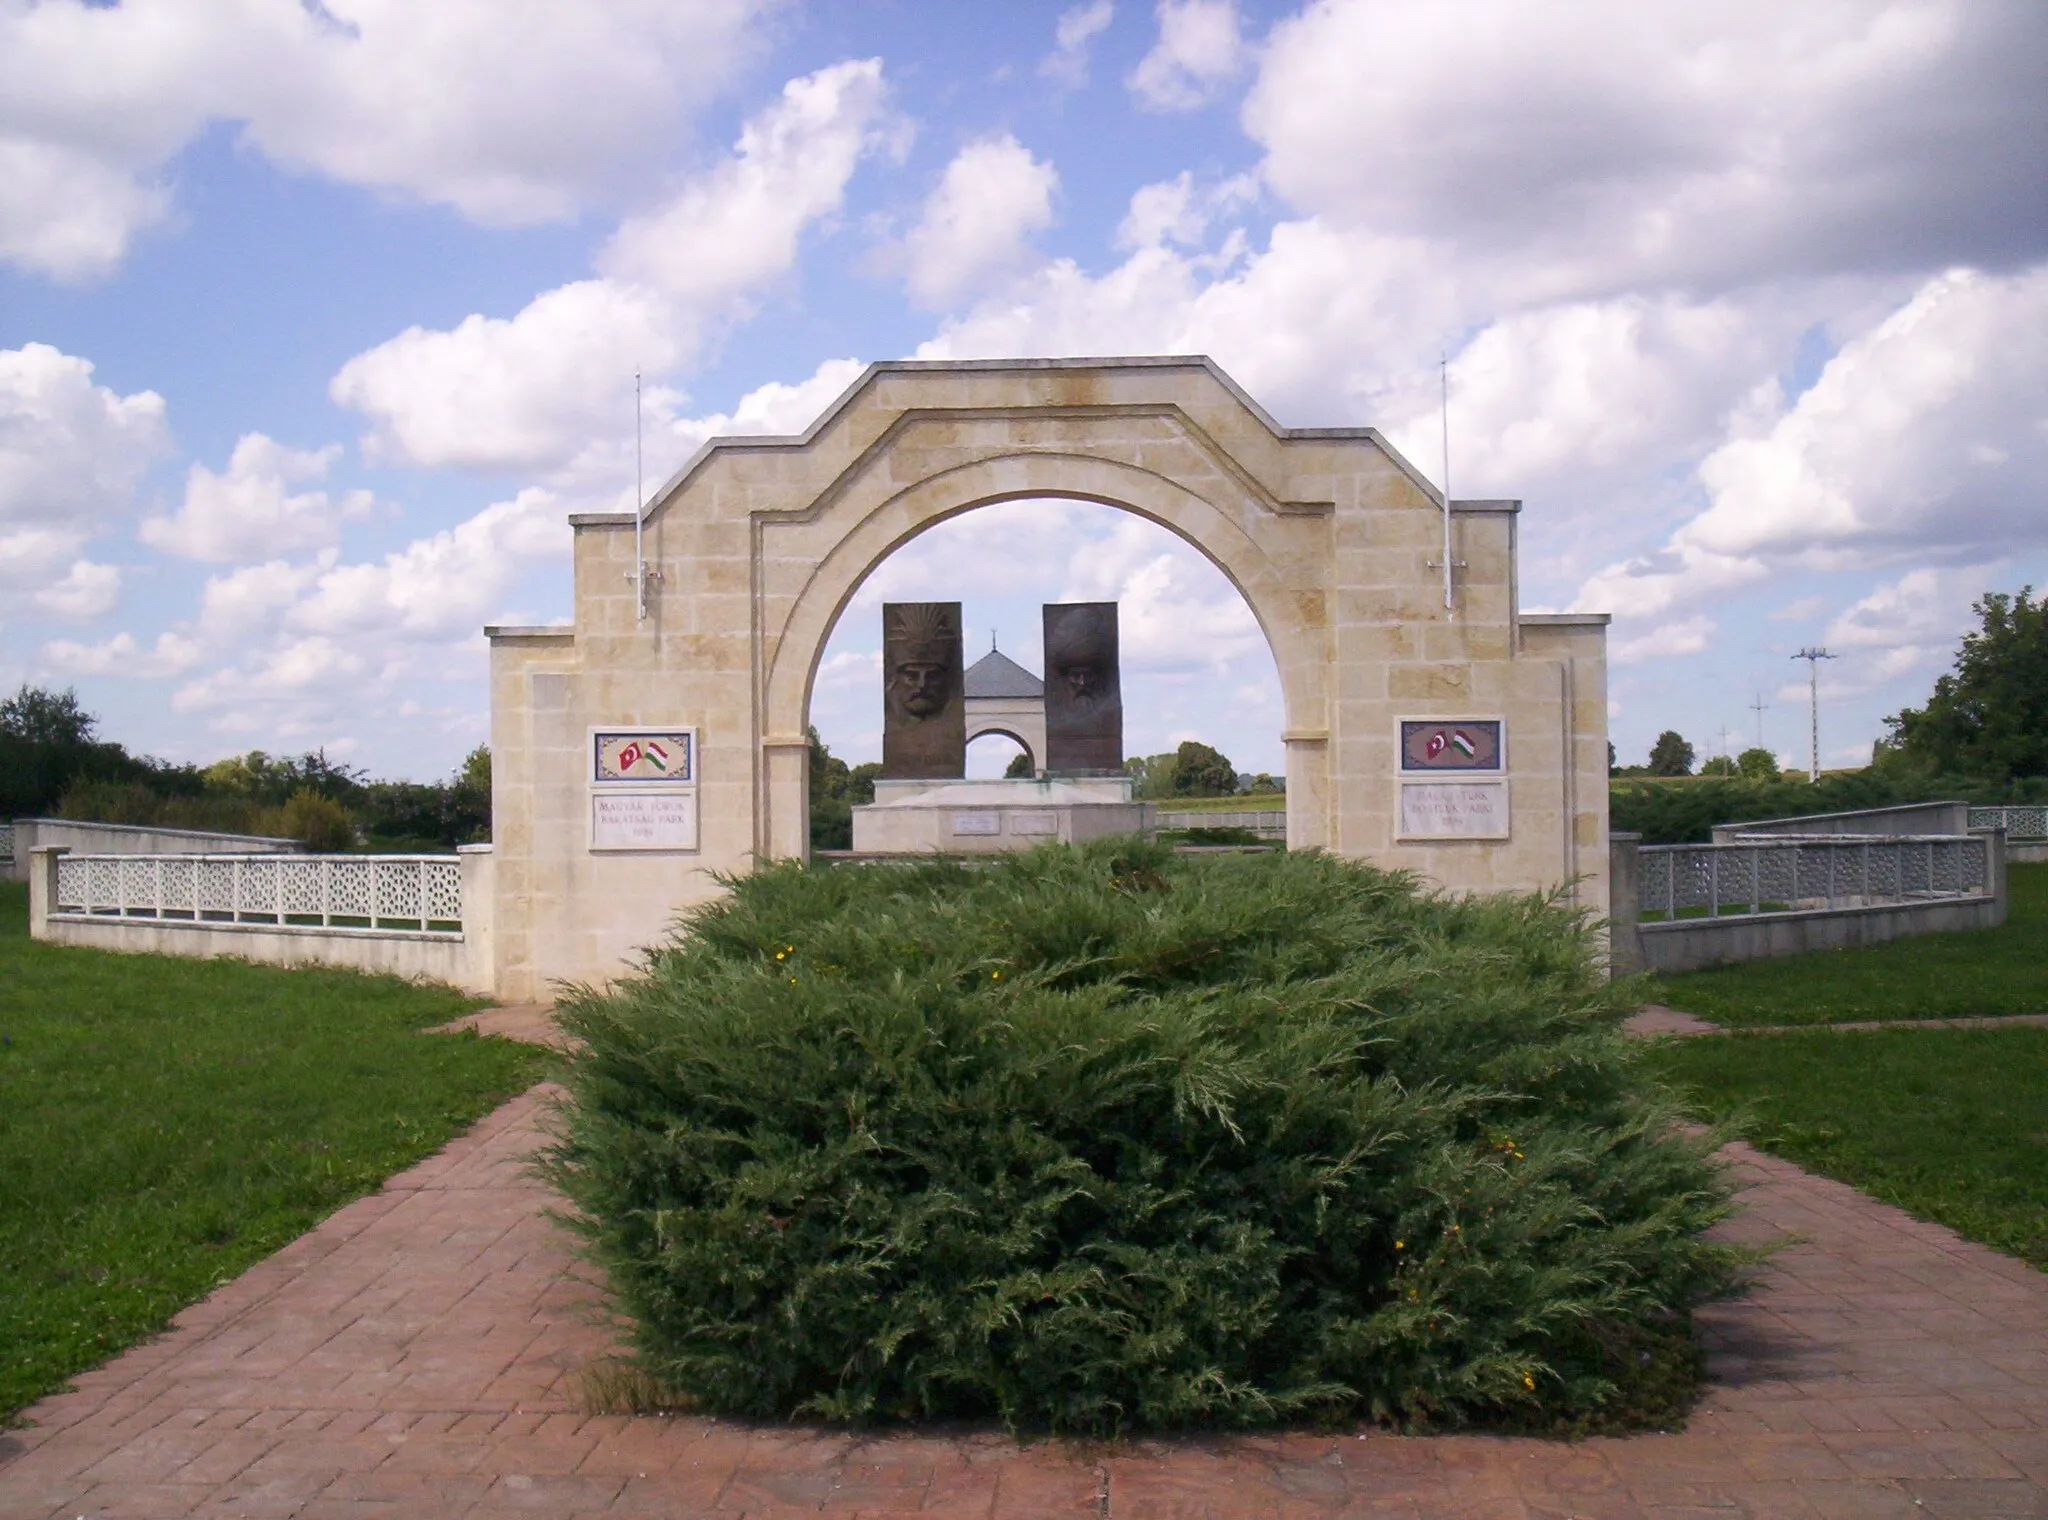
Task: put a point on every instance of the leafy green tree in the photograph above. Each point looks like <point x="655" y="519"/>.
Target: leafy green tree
<point x="1019" y="768"/>
<point x="1720" y="765"/>
<point x="41" y="716"/>
<point x="274" y="778"/>
<point x="469" y="798"/>
<point x="318" y="822"/>
<point x="49" y="748"/>
<point x="836" y="789"/>
<point x="1151" y="775"/>
<point x="1989" y="716"/>
<point x="1199" y="771"/>
<point x="1671" y="755"/>
<point x="1757" y="764"/>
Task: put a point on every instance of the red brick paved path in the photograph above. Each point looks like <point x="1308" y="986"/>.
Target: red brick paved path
<point x="419" y="1354"/>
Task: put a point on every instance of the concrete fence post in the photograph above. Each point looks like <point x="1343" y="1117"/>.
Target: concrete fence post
<point x="1994" y="861"/>
<point x="1625" y="908"/>
<point x="42" y="887"/>
<point x="479" y="918"/>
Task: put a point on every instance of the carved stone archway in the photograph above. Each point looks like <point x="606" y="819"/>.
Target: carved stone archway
<point x="1333" y="540"/>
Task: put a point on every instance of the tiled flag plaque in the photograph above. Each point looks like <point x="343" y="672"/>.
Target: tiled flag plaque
<point x="643" y="788"/>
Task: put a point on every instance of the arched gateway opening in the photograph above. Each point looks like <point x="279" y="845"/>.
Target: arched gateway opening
<point x="638" y="756"/>
<point x="1194" y="663"/>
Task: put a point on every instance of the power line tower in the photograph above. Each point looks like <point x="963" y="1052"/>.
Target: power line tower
<point x="1813" y="657"/>
<point x="1758" y="707"/>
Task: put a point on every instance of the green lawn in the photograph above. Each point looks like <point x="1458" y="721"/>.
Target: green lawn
<point x="165" y="1123"/>
<point x="1929" y="976"/>
<point x="1949" y="1124"/>
<point x="1249" y="802"/>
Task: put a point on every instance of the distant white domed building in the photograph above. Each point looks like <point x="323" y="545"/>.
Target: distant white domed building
<point x="1005" y="698"/>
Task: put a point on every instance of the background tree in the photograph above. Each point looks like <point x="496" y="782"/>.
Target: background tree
<point x="1720" y="765"/>
<point x="41" y="716"/>
<point x="1019" y="768"/>
<point x="1671" y="755"/>
<point x="1757" y="764"/>
<point x="1151" y="775"/>
<point x="1199" y="771"/>
<point x="469" y="798"/>
<point x="273" y="779"/>
<point x="49" y="747"/>
<point x="1988" y="717"/>
<point x="836" y="789"/>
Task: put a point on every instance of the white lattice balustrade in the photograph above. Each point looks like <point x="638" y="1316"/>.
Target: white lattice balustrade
<point x="2018" y="822"/>
<point x="336" y="894"/>
<point x="1774" y="874"/>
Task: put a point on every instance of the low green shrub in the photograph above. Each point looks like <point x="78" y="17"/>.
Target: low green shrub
<point x="1226" y="834"/>
<point x="319" y="823"/>
<point x="1103" y="1138"/>
<point x="1684" y="809"/>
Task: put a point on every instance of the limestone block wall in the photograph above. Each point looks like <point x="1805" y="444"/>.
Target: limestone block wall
<point x="1333" y="539"/>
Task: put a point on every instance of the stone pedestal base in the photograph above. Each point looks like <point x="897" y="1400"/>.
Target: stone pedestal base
<point x="986" y="817"/>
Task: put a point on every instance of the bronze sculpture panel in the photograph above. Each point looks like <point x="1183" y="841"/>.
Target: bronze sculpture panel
<point x="924" y="710"/>
<point x="1084" y="703"/>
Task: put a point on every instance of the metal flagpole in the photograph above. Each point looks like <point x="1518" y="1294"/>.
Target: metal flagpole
<point x="639" y="575"/>
<point x="1813" y="657"/>
<point x="1444" y="366"/>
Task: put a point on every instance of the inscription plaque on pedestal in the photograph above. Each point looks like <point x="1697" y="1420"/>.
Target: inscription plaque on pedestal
<point x="649" y="820"/>
<point x="1454" y="810"/>
<point x="924" y="709"/>
<point x="1084" y="703"/>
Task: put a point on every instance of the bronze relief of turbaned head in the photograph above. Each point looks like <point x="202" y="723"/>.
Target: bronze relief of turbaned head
<point x="924" y="707"/>
<point x="923" y="644"/>
<point x="1084" y="726"/>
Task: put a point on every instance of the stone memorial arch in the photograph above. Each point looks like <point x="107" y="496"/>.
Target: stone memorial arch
<point x="637" y="757"/>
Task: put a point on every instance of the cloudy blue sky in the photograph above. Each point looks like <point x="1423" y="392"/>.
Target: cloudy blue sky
<point x="318" y="319"/>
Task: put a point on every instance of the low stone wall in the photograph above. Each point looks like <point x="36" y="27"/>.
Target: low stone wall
<point x="462" y="958"/>
<point x="1903" y="818"/>
<point x="1692" y="943"/>
<point x="83" y="838"/>
<point x="2032" y="852"/>
<point x="432" y="957"/>
<point x="1725" y="938"/>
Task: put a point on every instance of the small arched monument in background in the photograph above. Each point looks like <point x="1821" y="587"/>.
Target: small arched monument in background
<point x="635" y="759"/>
<point x="1005" y="698"/>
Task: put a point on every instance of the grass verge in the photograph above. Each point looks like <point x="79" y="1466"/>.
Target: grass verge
<point x="166" y="1123"/>
<point x="1949" y="1124"/>
<point x="1981" y="972"/>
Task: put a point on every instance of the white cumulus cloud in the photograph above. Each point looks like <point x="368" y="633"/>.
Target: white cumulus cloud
<point x="1198" y="52"/>
<point x="511" y="111"/>
<point x="1607" y="142"/>
<point x="530" y="391"/>
<point x="976" y="226"/>
<point x="1926" y="436"/>
<point x="1075" y="31"/>
<point x="250" y="509"/>
<point x="72" y="455"/>
<point x="171" y="654"/>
